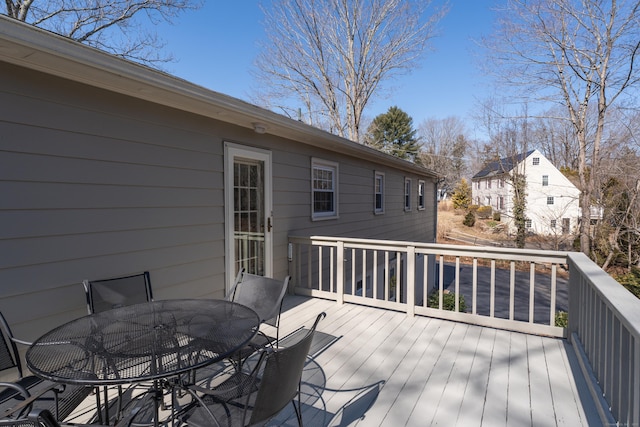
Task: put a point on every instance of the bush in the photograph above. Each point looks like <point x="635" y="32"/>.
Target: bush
<point x="562" y="319"/>
<point x="631" y="281"/>
<point x="496" y="216"/>
<point x="448" y="301"/>
<point x="469" y="219"/>
<point x="484" y="212"/>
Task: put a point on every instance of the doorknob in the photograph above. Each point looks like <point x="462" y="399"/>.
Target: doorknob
<point x="269" y="225"/>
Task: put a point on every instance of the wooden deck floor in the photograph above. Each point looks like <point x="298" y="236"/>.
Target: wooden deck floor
<point x="374" y="367"/>
<point x="387" y="369"/>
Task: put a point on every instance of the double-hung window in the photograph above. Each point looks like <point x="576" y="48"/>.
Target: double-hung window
<point x="550" y="200"/>
<point x="324" y="186"/>
<point x="379" y="192"/>
<point x="545" y="180"/>
<point x="420" y="195"/>
<point x="407" y="194"/>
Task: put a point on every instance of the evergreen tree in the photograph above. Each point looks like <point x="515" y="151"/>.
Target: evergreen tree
<point x="393" y="133"/>
<point x="461" y="196"/>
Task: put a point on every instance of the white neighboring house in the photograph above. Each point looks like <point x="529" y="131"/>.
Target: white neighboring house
<point x="552" y="202"/>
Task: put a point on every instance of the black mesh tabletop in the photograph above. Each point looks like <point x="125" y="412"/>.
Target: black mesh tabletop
<point x="142" y="342"/>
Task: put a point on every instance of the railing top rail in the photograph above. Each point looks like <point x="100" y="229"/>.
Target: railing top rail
<point x="436" y="248"/>
<point x="618" y="299"/>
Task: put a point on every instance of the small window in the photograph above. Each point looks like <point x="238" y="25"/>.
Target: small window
<point x="527" y="223"/>
<point x="553" y="223"/>
<point x="501" y="183"/>
<point x="407" y="194"/>
<point x="420" y="195"/>
<point x="488" y="183"/>
<point x="536" y="161"/>
<point x="324" y="183"/>
<point x="545" y="180"/>
<point x="379" y="192"/>
<point x="550" y="200"/>
<point x="500" y="203"/>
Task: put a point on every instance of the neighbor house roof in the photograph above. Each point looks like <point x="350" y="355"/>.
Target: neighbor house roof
<point x="502" y="166"/>
<point x="41" y="50"/>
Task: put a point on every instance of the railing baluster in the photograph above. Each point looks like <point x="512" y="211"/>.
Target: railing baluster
<point x="532" y="291"/>
<point x="512" y="290"/>
<point x="475" y="286"/>
<point x="441" y="284"/>
<point x="552" y="302"/>
<point x="374" y="286"/>
<point x="457" y="285"/>
<point x="387" y="282"/>
<point x="492" y="303"/>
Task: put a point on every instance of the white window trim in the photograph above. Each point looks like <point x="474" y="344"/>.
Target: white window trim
<point x="407" y="194"/>
<point x="376" y="210"/>
<point x="421" y="187"/>
<point x="325" y="164"/>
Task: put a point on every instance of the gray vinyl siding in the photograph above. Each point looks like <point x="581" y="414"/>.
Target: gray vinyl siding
<point x="95" y="184"/>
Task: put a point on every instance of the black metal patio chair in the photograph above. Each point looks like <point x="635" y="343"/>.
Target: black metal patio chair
<point x="26" y="393"/>
<point x="243" y="399"/>
<point x="264" y="295"/>
<point x="106" y="294"/>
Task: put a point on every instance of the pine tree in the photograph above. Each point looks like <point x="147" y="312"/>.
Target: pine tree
<point x="393" y="133"/>
<point x="461" y="197"/>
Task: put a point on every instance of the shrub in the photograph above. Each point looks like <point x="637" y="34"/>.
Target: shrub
<point x="562" y="319"/>
<point x="469" y="219"/>
<point x="485" y="212"/>
<point x="631" y="281"/>
<point x="448" y="301"/>
<point x="496" y="216"/>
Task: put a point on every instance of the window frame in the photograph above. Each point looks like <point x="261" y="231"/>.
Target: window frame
<point x="407" y="194"/>
<point x="550" y="200"/>
<point x="535" y="161"/>
<point x="421" y="200"/>
<point x="326" y="165"/>
<point x="378" y="176"/>
<point x="545" y="180"/>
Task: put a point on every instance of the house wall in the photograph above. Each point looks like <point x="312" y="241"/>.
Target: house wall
<point x="565" y="196"/>
<point x="95" y="184"/>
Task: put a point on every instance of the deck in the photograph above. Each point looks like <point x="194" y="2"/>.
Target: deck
<point x="387" y="369"/>
<point x="377" y="367"/>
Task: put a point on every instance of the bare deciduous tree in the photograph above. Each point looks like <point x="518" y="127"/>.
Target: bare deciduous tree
<point x="444" y="149"/>
<point x="110" y="25"/>
<point x="581" y="54"/>
<point x="324" y="60"/>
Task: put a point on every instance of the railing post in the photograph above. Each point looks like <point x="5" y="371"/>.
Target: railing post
<point x="411" y="281"/>
<point x="340" y="272"/>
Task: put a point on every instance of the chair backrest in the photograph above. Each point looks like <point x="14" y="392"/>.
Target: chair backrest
<point x="9" y="356"/>
<point x="262" y="294"/>
<point x="280" y="381"/>
<point x="103" y="295"/>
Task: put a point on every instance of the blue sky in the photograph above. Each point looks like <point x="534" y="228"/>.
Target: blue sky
<point x="216" y="45"/>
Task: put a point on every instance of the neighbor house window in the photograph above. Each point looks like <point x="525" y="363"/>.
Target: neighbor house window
<point x="407" y="194"/>
<point x="527" y="223"/>
<point x="501" y="183"/>
<point x="553" y="223"/>
<point x="545" y="180"/>
<point x="550" y="200"/>
<point x="500" y="203"/>
<point x="536" y="161"/>
<point x="324" y="184"/>
<point x="488" y="183"/>
<point x="379" y="192"/>
<point x="420" y="195"/>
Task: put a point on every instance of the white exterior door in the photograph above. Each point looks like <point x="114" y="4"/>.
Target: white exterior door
<point x="248" y="211"/>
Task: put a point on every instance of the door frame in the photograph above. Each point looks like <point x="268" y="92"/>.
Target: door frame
<point x="231" y="152"/>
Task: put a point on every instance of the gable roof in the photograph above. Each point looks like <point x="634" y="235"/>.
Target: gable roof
<point x="502" y="166"/>
<point x="37" y="49"/>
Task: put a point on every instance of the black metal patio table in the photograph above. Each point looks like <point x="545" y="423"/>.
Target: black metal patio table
<point x="142" y="342"/>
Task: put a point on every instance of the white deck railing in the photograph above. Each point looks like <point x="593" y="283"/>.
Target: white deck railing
<point x="520" y="290"/>
<point x="604" y="328"/>
<point x="511" y="289"/>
